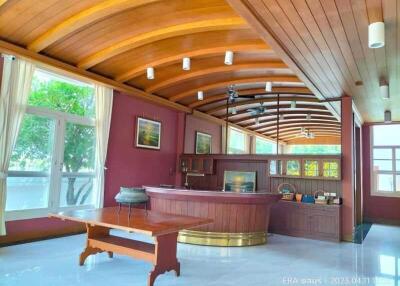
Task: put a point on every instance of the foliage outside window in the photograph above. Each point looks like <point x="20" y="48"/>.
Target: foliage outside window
<point x="311" y="168"/>
<point x="386" y="160"/>
<point x="313" y="149"/>
<point x="52" y="164"/>
<point x="275" y="167"/>
<point x="293" y="168"/>
<point x="263" y="146"/>
<point x="237" y="142"/>
<point x="330" y="169"/>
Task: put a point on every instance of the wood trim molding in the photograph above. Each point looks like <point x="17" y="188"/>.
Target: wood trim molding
<point x="215" y="70"/>
<point x="136" y="71"/>
<point x="161" y="34"/>
<point x="82" y="19"/>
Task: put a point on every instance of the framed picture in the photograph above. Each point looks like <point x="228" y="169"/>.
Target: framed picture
<point x="239" y="182"/>
<point x="203" y="143"/>
<point x="148" y="133"/>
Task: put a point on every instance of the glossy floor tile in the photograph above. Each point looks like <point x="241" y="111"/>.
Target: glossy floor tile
<point x="283" y="261"/>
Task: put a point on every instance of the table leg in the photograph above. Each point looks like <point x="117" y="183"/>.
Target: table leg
<point x="93" y="232"/>
<point x="166" y="259"/>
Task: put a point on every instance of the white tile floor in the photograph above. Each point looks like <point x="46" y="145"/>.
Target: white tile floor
<point x="283" y="261"/>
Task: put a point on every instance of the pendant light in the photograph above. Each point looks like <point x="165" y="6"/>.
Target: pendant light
<point x="200" y="95"/>
<point x="186" y="64"/>
<point x="268" y="86"/>
<point x="150" y="73"/>
<point x="388" y="116"/>
<point x="376" y="35"/>
<point x="384" y="90"/>
<point x="228" y="58"/>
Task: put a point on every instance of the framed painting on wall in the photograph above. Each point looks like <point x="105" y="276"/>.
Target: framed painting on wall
<point x="203" y="143"/>
<point x="148" y="133"/>
<point x="239" y="182"/>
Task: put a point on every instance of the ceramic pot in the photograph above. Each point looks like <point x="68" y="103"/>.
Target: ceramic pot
<point x="299" y="197"/>
<point x="131" y="196"/>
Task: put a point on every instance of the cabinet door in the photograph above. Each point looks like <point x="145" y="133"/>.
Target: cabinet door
<point x="197" y="165"/>
<point x="298" y="223"/>
<point x="324" y="225"/>
<point x="208" y="166"/>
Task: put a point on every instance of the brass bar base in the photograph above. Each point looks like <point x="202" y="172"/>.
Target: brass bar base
<point x="221" y="238"/>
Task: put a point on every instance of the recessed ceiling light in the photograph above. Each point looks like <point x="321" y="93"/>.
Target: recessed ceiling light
<point x="150" y="73"/>
<point x="200" y="95"/>
<point x="268" y="86"/>
<point x="228" y="58"/>
<point x="376" y="35"/>
<point x="186" y="64"/>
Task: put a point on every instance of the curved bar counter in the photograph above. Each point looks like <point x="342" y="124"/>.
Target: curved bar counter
<point x="240" y="219"/>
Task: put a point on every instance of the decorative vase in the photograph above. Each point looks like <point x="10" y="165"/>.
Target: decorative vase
<point x="299" y="197"/>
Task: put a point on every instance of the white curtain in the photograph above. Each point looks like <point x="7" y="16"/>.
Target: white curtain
<point x="104" y="101"/>
<point x="15" y="89"/>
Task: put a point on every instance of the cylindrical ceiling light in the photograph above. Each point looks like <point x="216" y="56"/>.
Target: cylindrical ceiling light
<point x="384" y="90"/>
<point x="268" y="86"/>
<point x="233" y="110"/>
<point x="186" y="64"/>
<point x="376" y="35"/>
<point x="308" y="117"/>
<point x="228" y="58"/>
<point x="282" y="117"/>
<point x="257" y="121"/>
<point x="150" y="73"/>
<point x="200" y="95"/>
<point x="293" y="104"/>
<point x="388" y="116"/>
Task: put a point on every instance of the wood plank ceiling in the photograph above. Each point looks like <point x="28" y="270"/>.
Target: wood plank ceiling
<point x="326" y="43"/>
<point x="119" y="39"/>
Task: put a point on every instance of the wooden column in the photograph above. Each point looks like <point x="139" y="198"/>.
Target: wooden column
<point x="347" y="168"/>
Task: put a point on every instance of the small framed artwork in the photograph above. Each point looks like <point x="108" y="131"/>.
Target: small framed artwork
<point x="148" y="133"/>
<point x="203" y="143"/>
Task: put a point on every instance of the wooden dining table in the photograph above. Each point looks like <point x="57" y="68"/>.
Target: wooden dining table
<point x="162" y="227"/>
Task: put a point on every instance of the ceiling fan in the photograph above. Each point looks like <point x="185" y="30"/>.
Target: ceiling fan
<point x="260" y="110"/>
<point x="306" y="133"/>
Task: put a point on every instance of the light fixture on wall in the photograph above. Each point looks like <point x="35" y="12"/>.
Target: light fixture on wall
<point x="200" y="95"/>
<point x="268" y="86"/>
<point x="384" y="90"/>
<point x="293" y="104"/>
<point x="150" y="73"/>
<point x="186" y="64"/>
<point x="388" y="116"/>
<point x="228" y="58"/>
<point x="376" y="35"/>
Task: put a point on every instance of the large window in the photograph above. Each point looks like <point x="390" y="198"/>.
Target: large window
<point x="385" y="160"/>
<point x="263" y="146"/>
<point x="312" y="149"/>
<point x="237" y="142"/>
<point x="52" y="165"/>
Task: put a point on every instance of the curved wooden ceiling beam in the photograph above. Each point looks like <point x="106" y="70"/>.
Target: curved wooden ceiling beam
<point x="194" y="53"/>
<point x="297" y="124"/>
<point x="294" y="119"/>
<point x="320" y="135"/>
<point x="84" y="18"/>
<point x="298" y="99"/>
<point x="161" y="34"/>
<point x="293" y="135"/>
<point x="220" y="97"/>
<point x="215" y="70"/>
<point x="205" y="88"/>
<point x="310" y="128"/>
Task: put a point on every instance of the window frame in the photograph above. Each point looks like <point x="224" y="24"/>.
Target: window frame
<point x="53" y="201"/>
<point x="374" y="175"/>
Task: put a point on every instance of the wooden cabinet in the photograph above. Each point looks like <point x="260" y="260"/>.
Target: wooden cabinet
<point x="196" y="164"/>
<point x="306" y="220"/>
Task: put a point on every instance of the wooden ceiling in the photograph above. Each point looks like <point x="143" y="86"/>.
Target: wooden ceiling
<point x="118" y="39"/>
<point x="326" y="43"/>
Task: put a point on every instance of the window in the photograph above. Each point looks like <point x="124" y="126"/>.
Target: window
<point x="237" y="142"/>
<point x="263" y="146"/>
<point x="385" y="160"/>
<point x="312" y="149"/>
<point x="311" y="168"/>
<point x="52" y="165"/>
<point x="293" y="168"/>
<point x="330" y="169"/>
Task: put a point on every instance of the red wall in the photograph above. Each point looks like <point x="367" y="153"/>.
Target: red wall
<point x="194" y="124"/>
<point x="376" y="208"/>
<point x="131" y="166"/>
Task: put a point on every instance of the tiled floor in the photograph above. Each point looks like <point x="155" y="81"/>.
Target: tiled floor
<point x="283" y="261"/>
